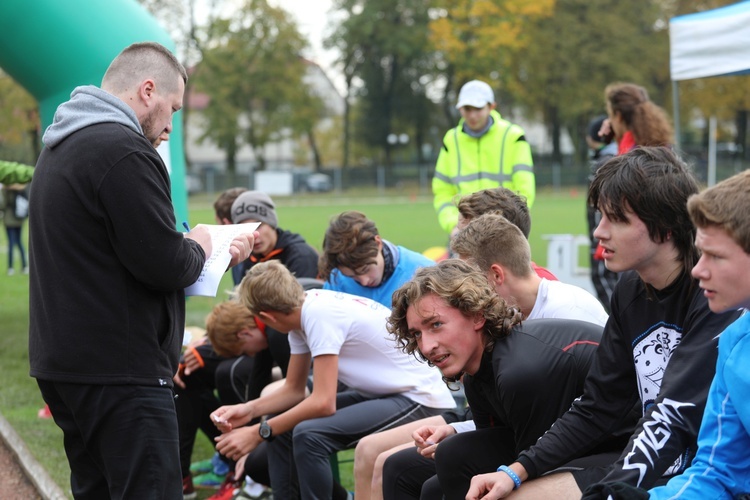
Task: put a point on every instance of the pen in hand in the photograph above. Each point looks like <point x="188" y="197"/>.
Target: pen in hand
<point x="186" y="226"/>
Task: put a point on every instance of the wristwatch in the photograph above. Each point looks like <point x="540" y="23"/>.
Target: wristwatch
<point x="265" y="431"/>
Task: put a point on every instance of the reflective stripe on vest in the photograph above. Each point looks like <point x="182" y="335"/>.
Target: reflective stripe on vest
<point x="444" y="206"/>
<point x="500" y="177"/>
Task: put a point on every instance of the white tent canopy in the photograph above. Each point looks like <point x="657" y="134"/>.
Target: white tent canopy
<point x="711" y="43"/>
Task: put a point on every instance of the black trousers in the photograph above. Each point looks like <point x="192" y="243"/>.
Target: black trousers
<point x="406" y="475"/>
<point x="472" y="453"/>
<point x="121" y="440"/>
<point x="226" y="377"/>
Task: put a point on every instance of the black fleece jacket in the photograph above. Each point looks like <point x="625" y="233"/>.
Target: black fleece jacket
<point x="292" y="251"/>
<point x="108" y="267"/>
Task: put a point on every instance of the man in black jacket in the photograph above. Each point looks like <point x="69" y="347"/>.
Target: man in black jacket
<point x="108" y="269"/>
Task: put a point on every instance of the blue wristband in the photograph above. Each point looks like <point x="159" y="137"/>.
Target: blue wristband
<point x="513" y="475"/>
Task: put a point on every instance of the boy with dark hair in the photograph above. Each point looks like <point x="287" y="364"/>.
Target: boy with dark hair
<point x="223" y="204"/>
<point x="601" y="149"/>
<point x="657" y="347"/>
<point x="357" y="260"/>
<point x="223" y="215"/>
<point x="504" y="202"/>
<point x="495" y="200"/>
<point x="720" y="467"/>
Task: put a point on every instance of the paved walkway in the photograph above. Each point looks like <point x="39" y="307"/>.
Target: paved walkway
<point x="21" y="476"/>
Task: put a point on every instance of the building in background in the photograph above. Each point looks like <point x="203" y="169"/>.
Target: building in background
<point x="290" y="152"/>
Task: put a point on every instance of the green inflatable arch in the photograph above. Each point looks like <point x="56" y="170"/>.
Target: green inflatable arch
<point x="51" y="46"/>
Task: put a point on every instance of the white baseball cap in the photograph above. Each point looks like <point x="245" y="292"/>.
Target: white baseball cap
<point x="476" y="94"/>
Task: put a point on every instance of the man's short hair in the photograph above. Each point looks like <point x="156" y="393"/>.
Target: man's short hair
<point x="726" y="206"/>
<point x="493" y="239"/>
<point x="497" y="200"/>
<point x="222" y="325"/>
<point x="654" y="184"/>
<point x="349" y="242"/>
<point x="269" y="286"/>
<point x="141" y="61"/>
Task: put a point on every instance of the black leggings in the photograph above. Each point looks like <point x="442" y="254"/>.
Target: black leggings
<point x="408" y="475"/>
<point x="256" y="466"/>
<point x="461" y="457"/>
<point x="404" y="473"/>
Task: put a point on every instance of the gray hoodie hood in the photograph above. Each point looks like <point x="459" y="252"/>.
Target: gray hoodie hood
<point x="88" y="105"/>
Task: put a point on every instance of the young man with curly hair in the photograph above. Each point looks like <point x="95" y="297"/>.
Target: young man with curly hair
<point x="519" y="377"/>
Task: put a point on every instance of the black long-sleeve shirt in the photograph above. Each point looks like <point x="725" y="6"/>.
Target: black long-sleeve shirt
<point x="659" y="352"/>
<point x="532" y="376"/>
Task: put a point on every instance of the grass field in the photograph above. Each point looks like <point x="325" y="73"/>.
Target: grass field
<point x="401" y="217"/>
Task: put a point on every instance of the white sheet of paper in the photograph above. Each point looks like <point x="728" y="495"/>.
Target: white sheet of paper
<point x="216" y="265"/>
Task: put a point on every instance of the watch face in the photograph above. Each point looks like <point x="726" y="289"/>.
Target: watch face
<point x="265" y="430"/>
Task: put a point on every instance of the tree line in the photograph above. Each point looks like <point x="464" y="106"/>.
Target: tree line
<point x="403" y="61"/>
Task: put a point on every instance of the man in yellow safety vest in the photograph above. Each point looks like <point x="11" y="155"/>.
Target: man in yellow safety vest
<point x="483" y="151"/>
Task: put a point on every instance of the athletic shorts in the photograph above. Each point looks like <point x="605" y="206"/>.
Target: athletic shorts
<point x="592" y="469"/>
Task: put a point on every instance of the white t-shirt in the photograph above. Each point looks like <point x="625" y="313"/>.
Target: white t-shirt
<point x="370" y="361"/>
<point x="556" y="299"/>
